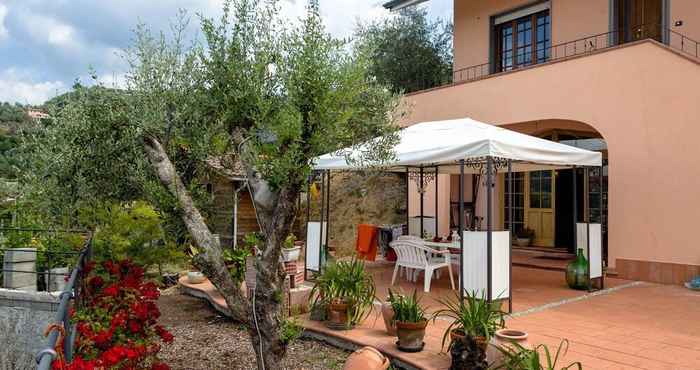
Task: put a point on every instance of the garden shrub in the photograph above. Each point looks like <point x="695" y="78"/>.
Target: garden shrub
<point x="135" y="231"/>
<point x="117" y="327"/>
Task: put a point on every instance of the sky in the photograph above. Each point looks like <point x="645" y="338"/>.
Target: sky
<point x="46" y="45"/>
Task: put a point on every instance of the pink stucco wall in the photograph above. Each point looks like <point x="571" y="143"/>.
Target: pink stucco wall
<point x="643" y="99"/>
<point x="443" y="192"/>
<point x="571" y="20"/>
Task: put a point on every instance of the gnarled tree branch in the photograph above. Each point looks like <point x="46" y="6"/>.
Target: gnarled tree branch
<point x="210" y="261"/>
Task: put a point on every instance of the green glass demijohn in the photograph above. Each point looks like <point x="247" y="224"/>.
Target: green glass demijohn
<point x="577" y="272"/>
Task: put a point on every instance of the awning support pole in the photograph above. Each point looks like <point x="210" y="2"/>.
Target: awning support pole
<point x="511" y="227"/>
<point x="422" y="196"/>
<point x="460" y="232"/>
<point x="575" y="206"/>
<point x="437" y="229"/>
<point x="306" y="225"/>
<point x="600" y="204"/>
<point x="489" y="225"/>
<point x="408" y="218"/>
<point x="320" y="236"/>
<point x="328" y="207"/>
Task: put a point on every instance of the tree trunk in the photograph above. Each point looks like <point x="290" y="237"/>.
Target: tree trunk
<point x="210" y="261"/>
<point x="275" y="211"/>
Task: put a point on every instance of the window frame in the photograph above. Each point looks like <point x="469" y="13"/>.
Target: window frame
<point x="536" y="43"/>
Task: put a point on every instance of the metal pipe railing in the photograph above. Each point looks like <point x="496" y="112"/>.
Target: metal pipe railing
<point x="45" y="356"/>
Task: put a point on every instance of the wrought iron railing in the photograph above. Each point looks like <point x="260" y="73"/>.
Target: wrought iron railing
<point x="579" y="47"/>
<point x="70" y="294"/>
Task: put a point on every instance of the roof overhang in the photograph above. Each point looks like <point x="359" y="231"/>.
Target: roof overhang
<point x="395" y="5"/>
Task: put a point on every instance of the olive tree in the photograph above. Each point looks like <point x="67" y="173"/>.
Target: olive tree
<point x="408" y="51"/>
<point x="270" y="95"/>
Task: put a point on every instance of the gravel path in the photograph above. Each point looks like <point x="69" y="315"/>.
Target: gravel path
<point x="205" y="340"/>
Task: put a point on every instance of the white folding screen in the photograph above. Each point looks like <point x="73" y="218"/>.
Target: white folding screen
<point x="314" y="238"/>
<point x="595" y="260"/>
<point x="589" y="237"/>
<point x="475" y="267"/>
<point x="582" y="237"/>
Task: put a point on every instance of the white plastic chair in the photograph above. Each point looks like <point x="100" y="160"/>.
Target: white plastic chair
<point x="411" y="253"/>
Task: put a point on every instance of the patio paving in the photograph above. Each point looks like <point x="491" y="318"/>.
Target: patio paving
<point x="531" y="287"/>
<point x="632" y="326"/>
<point x="640" y="326"/>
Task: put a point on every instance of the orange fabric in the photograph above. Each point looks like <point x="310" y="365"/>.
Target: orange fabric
<point x="366" y="244"/>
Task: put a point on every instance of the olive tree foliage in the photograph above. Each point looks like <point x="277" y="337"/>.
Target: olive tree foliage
<point x="264" y="92"/>
<point x="409" y="52"/>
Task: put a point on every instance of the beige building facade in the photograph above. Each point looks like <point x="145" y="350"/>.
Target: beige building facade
<point x="617" y="76"/>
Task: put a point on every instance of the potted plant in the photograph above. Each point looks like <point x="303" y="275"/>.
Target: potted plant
<point x="517" y="357"/>
<point x="347" y="290"/>
<point x="290" y="251"/>
<point x="524" y="236"/>
<point x="410" y="321"/>
<point x="474" y="317"/>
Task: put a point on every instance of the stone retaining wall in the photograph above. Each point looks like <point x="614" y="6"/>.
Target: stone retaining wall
<point x="23" y="318"/>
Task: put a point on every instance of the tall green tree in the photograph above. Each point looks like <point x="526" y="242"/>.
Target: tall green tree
<point x="408" y="51"/>
<point x="273" y="96"/>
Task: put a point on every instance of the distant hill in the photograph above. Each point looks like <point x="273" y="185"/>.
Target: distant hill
<point x="13" y="118"/>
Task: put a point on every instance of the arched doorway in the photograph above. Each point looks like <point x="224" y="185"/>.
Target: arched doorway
<point x="544" y="200"/>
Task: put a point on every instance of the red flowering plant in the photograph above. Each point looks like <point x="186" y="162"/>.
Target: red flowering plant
<point x="117" y="326"/>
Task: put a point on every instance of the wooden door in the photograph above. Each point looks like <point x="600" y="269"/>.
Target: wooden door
<point x="640" y="19"/>
<point x="540" y="211"/>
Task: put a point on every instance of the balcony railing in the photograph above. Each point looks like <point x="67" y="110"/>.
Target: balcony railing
<point x="586" y="45"/>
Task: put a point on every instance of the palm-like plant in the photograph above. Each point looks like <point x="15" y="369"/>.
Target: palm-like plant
<point x="346" y="282"/>
<point x="474" y="316"/>
<point x="517" y="357"/>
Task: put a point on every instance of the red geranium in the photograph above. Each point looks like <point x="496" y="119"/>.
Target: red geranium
<point x="160" y="366"/>
<point x="117" y="329"/>
<point x="164" y="334"/>
<point x="111" y="291"/>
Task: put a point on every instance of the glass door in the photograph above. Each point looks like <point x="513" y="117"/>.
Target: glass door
<point x="540" y="213"/>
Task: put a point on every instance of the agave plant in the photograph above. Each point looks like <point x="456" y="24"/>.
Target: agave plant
<point x="517" y="357"/>
<point x="346" y="282"/>
<point x="474" y="316"/>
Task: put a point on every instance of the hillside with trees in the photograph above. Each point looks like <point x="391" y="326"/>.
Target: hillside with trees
<point x="13" y="118"/>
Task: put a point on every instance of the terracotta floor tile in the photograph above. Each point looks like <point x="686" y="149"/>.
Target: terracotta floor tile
<point x="651" y="327"/>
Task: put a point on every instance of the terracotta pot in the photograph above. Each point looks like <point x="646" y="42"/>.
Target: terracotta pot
<point x="504" y="338"/>
<point x="366" y="358"/>
<point x="411" y="335"/>
<point x="338" y="315"/>
<point x="388" y="316"/>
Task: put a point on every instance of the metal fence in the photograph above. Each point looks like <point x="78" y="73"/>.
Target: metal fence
<point x="578" y="47"/>
<point x="70" y="294"/>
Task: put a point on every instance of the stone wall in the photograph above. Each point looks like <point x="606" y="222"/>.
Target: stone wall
<point x="357" y="198"/>
<point x="23" y="318"/>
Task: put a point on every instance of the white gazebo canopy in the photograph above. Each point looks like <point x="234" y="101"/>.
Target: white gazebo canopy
<point x="443" y="143"/>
